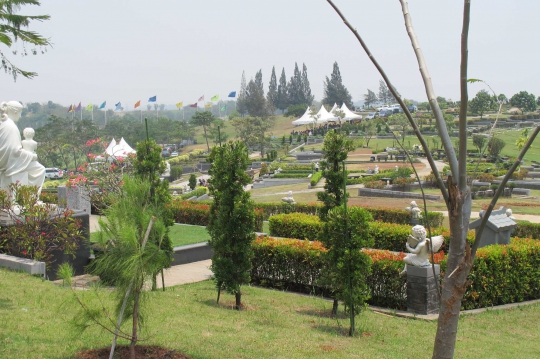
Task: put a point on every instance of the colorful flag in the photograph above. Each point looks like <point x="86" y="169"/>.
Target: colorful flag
<point x="118" y="106"/>
<point x="214" y="98"/>
<point x="152" y="99"/>
<point x="201" y="98"/>
<point x="78" y="107"/>
<point x="89" y="107"/>
<point x="137" y="104"/>
<point x="102" y="105"/>
<point x="193" y="105"/>
<point x="180" y="104"/>
<point x="208" y="105"/>
<point x="232" y="94"/>
<point x="70" y="108"/>
<point x="224" y="108"/>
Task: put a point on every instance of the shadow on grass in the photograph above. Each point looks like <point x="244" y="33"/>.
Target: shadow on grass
<point x="6" y="304"/>
<point x="322" y="313"/>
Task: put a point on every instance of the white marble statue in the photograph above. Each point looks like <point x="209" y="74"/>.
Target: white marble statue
<point x="509" y="214"/>
<point x="414" y="210"/>
<point x="28" y="143"/>
<point x="418" y="246"/>
<point x="289" y="199"/>
<point x="17" y="163"/>
<point x="376" y="170"/>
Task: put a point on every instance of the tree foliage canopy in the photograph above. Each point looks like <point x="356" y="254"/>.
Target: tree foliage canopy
<point x="335" y="91"/>
<point x="13" y="28"/>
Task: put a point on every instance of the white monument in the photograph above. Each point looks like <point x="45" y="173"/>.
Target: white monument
<point x="289" y="199"/>
<point x="414" y="210"/>
<point x="18" y="160"/>
<point x="419" y="247"/>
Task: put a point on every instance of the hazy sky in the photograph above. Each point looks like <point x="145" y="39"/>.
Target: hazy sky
<point x="179" y="50"/>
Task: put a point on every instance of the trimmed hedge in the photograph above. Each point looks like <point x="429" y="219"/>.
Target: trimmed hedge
<point x="387" y="236"/>
<point x="189" y="212"/>
<point x="389" y="215"/>
<point x="315" y="178"/>
<point x="295" y="225"/>
<point x="504" y="274"/>
<point x="199" y="191"/>
<point x="501" y="274"/>
<point x="292" y="175"/>
<point x="527" y="230"/>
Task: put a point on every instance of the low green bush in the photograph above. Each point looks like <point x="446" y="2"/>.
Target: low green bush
<point x="189" y="212"/>
<point x="504" y="274"/>
<point x="315" y="178"/>
<point x="295" y="225"/>
<point x="526" y="229"/>
<point x="197" y="192"/>
<point x="292" y="175"/>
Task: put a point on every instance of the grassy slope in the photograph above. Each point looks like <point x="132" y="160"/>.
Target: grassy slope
<point x="274" y="325"/>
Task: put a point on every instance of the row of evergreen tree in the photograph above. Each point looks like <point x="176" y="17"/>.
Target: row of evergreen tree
<point x="282" y="94"/>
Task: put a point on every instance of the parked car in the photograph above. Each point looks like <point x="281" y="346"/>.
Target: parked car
<point x="165" y="153"/>
<point x="413" y="108"/>
<point x="54" y="173"/>
<point x="382" y="108"/>
<point x="371" y="116"/>
<point x="174" y="154"/>
<point x="385" y="113"/>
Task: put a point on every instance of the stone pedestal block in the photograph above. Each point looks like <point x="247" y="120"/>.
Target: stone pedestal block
<point x="422" y="296"/>
<point x="76" y="198"/>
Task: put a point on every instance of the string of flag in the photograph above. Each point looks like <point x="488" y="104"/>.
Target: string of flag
<point x="179" y="105"/>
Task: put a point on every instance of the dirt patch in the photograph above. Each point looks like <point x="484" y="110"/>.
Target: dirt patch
<point x="141" y="352"/>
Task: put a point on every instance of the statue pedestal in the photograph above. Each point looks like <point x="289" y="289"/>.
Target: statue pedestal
<point x="74" y="198"/>
<point x="422" y="296"/>
<point x="414" y="221"/>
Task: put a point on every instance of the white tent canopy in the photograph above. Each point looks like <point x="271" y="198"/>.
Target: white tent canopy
<point x="349" y="115"/>
<point x="305" y="119"/>
<point x="325" y="116"/>
<point x="116" y="150"/>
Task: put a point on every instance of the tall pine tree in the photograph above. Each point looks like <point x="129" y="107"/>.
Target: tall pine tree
<point x="307" y="97"/>
<point x="370" y="98"/>
<point x="294" y="88"/>
<point x="335" y="91"/>
<point x="272" y="95"/>
<point x="241" y="101"/>
<point x="255" y="100"/>
<point x="282" y="101"/>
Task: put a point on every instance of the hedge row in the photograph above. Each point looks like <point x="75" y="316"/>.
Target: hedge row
<point x="197" y="213"/>
<point x="500" y="275"/>
<point x="199" y="191"/>
<point x="527" y="230"/>
<point x="389" y="215"/>
<point x="387" y="236"/>
<point x="292" y="175"/>
<point x="315" y="179"/>
<point x="504" y="274"/>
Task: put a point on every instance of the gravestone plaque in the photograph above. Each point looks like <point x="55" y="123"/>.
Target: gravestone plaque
<point x="76" y="198"/>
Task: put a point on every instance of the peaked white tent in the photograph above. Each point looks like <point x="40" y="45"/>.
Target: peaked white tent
<point x="116" y="150"/>
<point x="324" y="116"/>
<point x="334" y="108"/>
<point x="349" y="115"/>
<point x="305" y="119"/>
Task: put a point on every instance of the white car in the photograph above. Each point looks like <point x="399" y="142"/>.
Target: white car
<point x="54" y="173"/>
<point x="383" y="107"/>
<point x="371" y="116"/>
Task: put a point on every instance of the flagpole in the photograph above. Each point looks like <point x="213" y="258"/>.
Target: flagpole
<point x="183" y="110"/>
<point x="92" y="113"/>
<point x="141" y="115"/>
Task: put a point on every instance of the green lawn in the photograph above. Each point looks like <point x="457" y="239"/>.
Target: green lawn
<point x="182" y="235"/>
<point x="37" y="323"/>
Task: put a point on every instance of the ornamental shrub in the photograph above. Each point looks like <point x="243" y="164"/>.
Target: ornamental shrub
<point x="315" y="178"/>
<point x="232" y="218"/>
<point x="295" y="225"/>
<point x="526" y="229"/>
<point x="503" y="274"/>
<point x="197" y="193"/>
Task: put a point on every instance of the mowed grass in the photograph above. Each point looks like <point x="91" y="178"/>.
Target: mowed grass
<point x="37" y="323"/>
<point x="180" y="235"/>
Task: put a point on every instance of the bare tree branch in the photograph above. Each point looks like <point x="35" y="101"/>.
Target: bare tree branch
<point x="462" y="181"/>
<point x="443" y="132"/>
<point x="429" y="157"/>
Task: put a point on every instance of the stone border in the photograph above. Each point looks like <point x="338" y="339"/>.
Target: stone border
<point x="369" y="192"/>
<point x="29" y="266"/>
<point x="433" y="317"/>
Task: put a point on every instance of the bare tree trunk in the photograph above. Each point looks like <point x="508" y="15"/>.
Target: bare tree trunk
<point x="135" y="324"/>
<point x="458" y="268"/>
<point x="335" y="306"/>
<point x="238" y="305"/>
<point x="206" y="137"/>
